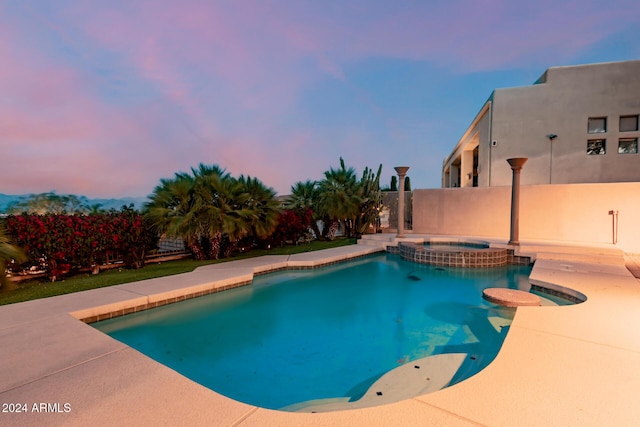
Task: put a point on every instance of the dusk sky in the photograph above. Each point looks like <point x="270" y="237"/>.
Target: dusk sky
<point x="104" y="98"/>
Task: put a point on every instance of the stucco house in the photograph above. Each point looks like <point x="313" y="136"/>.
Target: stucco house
<point x="576" y="124"/>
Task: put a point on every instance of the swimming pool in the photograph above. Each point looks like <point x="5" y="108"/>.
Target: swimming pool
<point x="295" y="336"/>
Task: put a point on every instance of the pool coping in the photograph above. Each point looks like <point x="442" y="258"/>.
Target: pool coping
<point x="122" y="308"/>
<point x="557" y="365"/>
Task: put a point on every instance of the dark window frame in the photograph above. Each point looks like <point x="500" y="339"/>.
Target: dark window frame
<point x="632" y="116"/>
<point x="633" y="141"/>
<point x="596" y="147"/>
<point x="595" y="129"/>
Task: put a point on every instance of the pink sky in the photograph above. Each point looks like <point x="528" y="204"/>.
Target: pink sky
<point x="105" y="98"/>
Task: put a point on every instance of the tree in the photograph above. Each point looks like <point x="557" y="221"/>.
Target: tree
<point x="172" y="209"/>
<point x="218" y="207"/>
<point x="305" y="196"/>
<point x="394" y="183"/>
<point x="51" y="202"/>
<point x="339" y="199"/>
<point x="259" y="206"/>
<point x="8" y="253"/>
<point x="209" y="207"/>
<point x="407" y="183"/>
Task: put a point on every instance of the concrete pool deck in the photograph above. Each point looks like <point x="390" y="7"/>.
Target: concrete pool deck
<point x="570" y="365"/>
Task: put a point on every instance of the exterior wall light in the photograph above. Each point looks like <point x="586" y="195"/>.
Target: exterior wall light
<point x="551" y="137"/>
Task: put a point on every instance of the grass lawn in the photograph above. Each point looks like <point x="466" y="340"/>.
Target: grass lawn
<point x="34" y="289"/>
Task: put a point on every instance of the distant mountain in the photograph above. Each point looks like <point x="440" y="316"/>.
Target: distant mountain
<point x="116" y="204"/>
<point x="7" y="199"/>
<point x="106" y="204"/>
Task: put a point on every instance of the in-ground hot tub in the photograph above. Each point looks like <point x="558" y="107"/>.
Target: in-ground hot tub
<point x="455" y="254"/>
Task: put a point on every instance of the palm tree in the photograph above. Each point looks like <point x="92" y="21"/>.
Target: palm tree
<point x="209" y="206"/>
<point x="8" y="253"/>
<point x="220" y="210"/>
<point x="305" y="195"/>
<point x="173" y="210"/>
<point x="339" y="199"/>
<point x="216" y="193"/>
<point x="259" y="206"/>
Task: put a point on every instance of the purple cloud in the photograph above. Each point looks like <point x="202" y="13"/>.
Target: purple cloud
<point x="105" y="98"/>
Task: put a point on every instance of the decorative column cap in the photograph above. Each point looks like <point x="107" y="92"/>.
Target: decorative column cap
<point x="402" y="170"/>
<point x="516" y="163"/>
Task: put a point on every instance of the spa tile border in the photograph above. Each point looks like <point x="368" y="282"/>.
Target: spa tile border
<point x="461" y="258"/>
<point x="477" y="256"/>
<point x="395" y="250"/>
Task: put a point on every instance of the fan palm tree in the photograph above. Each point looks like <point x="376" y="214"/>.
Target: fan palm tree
<point x="305" y="195"/>
<point x="339" y="199"/>
<point x="259" y="206"/>
<point x="216" y="193"/>
<point x="208" y="206"/>
<point x="220" y="210"/>
<point x="173" y="210"/>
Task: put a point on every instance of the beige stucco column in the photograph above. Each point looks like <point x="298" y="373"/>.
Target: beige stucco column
<point x="402" y="172"/>
<point x="516" y="166"/>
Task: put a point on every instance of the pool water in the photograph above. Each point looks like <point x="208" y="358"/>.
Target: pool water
<point x="294" y="336"/>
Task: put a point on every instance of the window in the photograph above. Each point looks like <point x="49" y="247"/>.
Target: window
<point x="628" y="146"/>
<point x="597" y="124"/>
<point x="628" y="123"/>
<point x="596" y="146"/>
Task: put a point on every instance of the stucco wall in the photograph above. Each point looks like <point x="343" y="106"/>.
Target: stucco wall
<point x="567" y="212"/>
<point x="390" y="201"/>
<point x="522" y="117"/>
<point x="519" y="119"/>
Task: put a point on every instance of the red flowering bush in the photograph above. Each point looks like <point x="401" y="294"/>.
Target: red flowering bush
<point x="60" y="243"/>
<point x="292" y="225"/>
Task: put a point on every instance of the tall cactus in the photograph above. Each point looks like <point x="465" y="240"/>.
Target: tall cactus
<point x="371" y="200"/>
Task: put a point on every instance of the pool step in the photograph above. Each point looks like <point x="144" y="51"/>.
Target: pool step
<point x="412" y="379"/>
